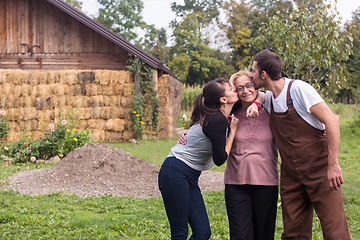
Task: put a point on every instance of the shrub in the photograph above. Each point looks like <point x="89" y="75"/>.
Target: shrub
<point x="61" y="138"/>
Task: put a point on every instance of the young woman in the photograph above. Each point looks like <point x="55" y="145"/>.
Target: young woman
<point x="207" y="143"/>
<point x="251" y="175"/>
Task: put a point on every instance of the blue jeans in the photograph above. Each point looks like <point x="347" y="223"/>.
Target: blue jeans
<point x="183" y="201"/>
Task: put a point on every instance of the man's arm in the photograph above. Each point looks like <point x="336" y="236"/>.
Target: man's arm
<point x="322" y="112"/>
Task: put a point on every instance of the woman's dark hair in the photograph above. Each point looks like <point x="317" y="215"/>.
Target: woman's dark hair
<point x="212" y="92"/>
<point x="269" y="62"/>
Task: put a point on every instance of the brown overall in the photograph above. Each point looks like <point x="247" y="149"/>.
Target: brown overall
<point x="304" y="184"/>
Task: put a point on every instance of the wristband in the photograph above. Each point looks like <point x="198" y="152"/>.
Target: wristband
<point x="257" y="104"/>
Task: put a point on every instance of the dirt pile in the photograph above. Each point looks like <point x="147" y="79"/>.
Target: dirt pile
<point x="98" y="170"/>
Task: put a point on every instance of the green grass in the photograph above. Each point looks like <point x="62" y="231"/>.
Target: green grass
<point x="65" y="216"/>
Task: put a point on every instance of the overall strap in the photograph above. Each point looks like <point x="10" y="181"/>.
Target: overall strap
<point x="288" y="97"/>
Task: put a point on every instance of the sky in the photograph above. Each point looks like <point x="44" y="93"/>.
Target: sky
<point x="158" y="12"/>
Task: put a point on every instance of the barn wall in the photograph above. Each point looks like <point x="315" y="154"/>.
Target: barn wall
<point x="55" y="40"/>
<point x="101" y="100"/>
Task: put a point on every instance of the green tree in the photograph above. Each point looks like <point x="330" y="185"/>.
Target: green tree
<point x="200" y="63"/>
<point x="310" y="46"/>
<point x="75" y="4"/>
<point x="123" y="17"/>
<point x="207" y="10"/>
<point x="353" y="63"/>
<point x="244" y="20"/>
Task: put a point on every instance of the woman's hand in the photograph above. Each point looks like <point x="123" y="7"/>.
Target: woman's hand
<point x="182" y="138"/>
<point x="234" y="122"/>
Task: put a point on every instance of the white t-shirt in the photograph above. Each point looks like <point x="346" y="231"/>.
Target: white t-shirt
<point x="304" y="96"/>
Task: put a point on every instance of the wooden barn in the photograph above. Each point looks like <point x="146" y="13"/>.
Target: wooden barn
<point x="47" y="45"/>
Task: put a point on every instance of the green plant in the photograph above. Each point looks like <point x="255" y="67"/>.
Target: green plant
<point x="4" y="126"/>
<point x="189" y="93"/>
<point x="145" y="102"/>
<point x="61" y="138"/>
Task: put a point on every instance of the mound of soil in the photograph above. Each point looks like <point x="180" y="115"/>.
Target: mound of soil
<point x="98" y="170"/>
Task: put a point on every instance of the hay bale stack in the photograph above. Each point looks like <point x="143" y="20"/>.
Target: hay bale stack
<point x="101" y="100"/>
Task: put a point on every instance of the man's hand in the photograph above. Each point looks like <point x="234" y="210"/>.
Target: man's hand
<point x="182" y="138"/>
<point x="252" y="111"/>
<point x="334" y="176"/>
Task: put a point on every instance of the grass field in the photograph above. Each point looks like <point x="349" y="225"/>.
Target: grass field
<point x="65" y="216"/>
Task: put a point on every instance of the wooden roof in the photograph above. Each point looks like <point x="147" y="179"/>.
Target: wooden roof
<point x="113" y="37"/>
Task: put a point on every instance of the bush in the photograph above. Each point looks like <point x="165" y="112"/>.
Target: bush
<point x="61" y="138"/>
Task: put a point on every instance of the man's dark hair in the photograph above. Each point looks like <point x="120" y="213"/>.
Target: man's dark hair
<point x="269" y="62"/>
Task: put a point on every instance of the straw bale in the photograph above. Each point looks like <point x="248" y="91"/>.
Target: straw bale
<point x="127" y="135"/>
<point x="127" y="112"/>
<point x="96" y="112"/>
<point x="103" y="77"/>
<point x="6" y="88"/>
<point x="45" y="115"/>
<point x="98" y="135"/>
<point x="51" y="77"/>
<point x="117" y="112"/>
<point x="106" y="101"/>
<point x="33" y="78"/>
<point x="71" y="77"/>
<point x="163" y="80"/>
<point x="93" y="89"/>
<point x="114" y="101"/>
<point x="107" y="90"/>
<point x="83" y="124"/>
<point x="42" y="77"/>
<point x="14" y="126"/>
<point x="77" y="89"/>
<point x="125" y="102"/>
<point x="111" y="136"/>
<point x="16" y="90"/>
<point x="13" y="136"/>
<point x="25" y="89"/>
<point x="59" y="89"/>
<point x="117" y="89"/>
<point x="97" y="124"/>
<point x="17" y="76"/>
<point x="163" y="100"/>
<point x="2" y="76"/>
<point x="78" y="101"/>
<point x="164" y="91"/>
<point x="27" y="113"/>
<point x="83" y="113"/>
<point x="127" y="90"/>
<point x="60" y="101"/>
<point x="86" y="77"/>
<point x="43" y="90"/>
<point x="12" y="102"/>
<point x="24" y="125"/>
<point x="94" y="101"/>
<point x="116" y="125"/>
<point x="43" y="103"/>
<point x="12" y="114"/>
<point x="105" y="112"/>
<point x="34" y="125"/>
<point x="36" y="135"/>
<point x="122" y="77"/>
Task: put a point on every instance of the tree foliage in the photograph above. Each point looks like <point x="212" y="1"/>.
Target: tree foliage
<point x="310" y="45"/>
<point x="75" y="4"/>
<point x="244" y="20"/>
<point x="123" y="17"/>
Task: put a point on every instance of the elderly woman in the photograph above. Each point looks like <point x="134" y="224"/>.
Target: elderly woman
<point x="251" y="175"/>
